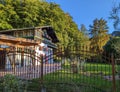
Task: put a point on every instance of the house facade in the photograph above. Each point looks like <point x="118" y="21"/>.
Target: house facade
<point x="44" y="36"/>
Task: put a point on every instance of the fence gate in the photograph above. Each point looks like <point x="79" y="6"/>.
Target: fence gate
<point x="68" y="69"/>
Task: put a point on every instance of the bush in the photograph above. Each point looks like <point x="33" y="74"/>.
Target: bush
<point x="12" y="84"/>
<point x="113" y="46"/>
<point x="57" y="60"/>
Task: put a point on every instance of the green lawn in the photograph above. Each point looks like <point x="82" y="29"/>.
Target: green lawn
<point x="91" y="77"/>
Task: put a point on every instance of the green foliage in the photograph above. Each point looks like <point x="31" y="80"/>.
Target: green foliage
<point x="115" y="16"/>
<point x="113" y="46"/>
<point x="12" y="84"/>
<point x="34" y="13"/>
<point x="85" y="34"/>
<point x="99" y="34"/>
<point x="84" y="30"/>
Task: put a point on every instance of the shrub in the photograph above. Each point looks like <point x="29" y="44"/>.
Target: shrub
<point x="12" y="84"/>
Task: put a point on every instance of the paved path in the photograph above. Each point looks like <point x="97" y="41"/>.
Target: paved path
<point x="117" y="77"/>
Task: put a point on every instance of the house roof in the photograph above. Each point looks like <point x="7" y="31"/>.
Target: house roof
<point x="18" y="29"/>
<point x="51" y="33"/>
<point x="49" y="29"/>
<point x="13" y="41"/>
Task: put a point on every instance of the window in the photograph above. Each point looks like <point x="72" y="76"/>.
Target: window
<point x="30" y="33"/>
<point x="38" y="33"/>
<point x="18" y="33"/>
<point x="26" y="33"/>
<point x="45" y="33"/>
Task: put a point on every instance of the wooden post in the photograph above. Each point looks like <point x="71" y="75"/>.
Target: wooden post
<point x="113" y="73"/>
<point x="2" y="58"/>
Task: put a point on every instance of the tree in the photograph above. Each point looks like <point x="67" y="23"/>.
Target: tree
<point x="28" y="12"/>
<point x="85" y="34"/>
<point x="99" y="34"/>
<point x="35" y="13"/>
<point x="113" y="46"/>
<point x="7" y="14"/>
<point x="116" y="33"/>
<point x="114" y="15"/>
<point x="84" y="30"/>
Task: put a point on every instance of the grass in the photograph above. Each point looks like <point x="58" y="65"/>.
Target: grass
<point x="104" y="68"/>
<point x="71" y="83"/>
<point x="95" y="67"/>
<point x="91" y="77"/>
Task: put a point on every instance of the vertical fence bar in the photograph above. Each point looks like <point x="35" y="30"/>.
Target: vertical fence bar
<point x="13" y="64"/>
<point x="41" y="68"/>
<point x="41" y="79"/>
<point x="113" y="73"/>
<point x="22" y="57"/>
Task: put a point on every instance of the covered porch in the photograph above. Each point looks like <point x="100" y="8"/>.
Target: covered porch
<point x="13" y="51"/>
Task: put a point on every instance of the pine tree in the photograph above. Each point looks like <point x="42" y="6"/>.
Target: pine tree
<point x="99" y="34"/>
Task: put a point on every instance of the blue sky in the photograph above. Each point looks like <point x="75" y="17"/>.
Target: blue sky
<point x="85" y="11"/>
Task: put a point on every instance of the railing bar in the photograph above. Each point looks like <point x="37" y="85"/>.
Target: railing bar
<point x="113" y="73"/>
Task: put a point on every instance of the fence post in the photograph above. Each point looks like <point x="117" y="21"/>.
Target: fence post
<point x="113" y="72"/>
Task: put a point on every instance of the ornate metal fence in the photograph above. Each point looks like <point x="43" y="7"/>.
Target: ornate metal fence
<point x="68" y="69"/>
<point x="23" y="63"/>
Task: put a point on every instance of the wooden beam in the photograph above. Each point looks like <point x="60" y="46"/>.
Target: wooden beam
<point x="13" y="41"/>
